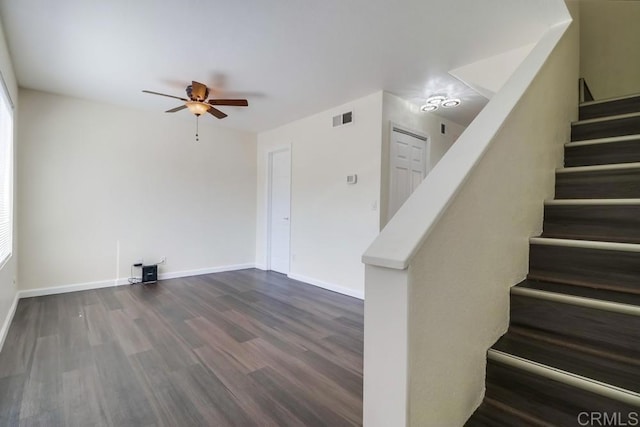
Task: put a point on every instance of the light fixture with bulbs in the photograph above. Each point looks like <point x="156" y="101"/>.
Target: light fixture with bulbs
<point x="428" y="107"/>
<point x="435" y="101"/>
<point x="198" y="107"/>
<point x="450" y="103"/>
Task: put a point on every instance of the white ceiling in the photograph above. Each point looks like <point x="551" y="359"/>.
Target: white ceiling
<point x="289" y="58"/>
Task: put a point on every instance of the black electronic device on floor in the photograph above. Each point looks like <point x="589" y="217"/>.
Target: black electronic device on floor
<point x="150" y="273"/>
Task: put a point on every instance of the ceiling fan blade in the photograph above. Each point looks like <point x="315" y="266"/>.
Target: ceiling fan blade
<point x="232" y="102"/>
<point x="173" y="110"/>
<point x="217" y="113"/>
<point x="164" y="94"/>
<point x="199" y="91"/>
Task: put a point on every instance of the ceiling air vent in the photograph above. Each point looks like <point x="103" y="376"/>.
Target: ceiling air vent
<point x="342" y="119"/>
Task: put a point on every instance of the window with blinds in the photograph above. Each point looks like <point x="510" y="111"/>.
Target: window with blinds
<point x="6" y="175"/>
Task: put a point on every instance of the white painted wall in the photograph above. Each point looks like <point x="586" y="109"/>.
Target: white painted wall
<point x="462" y="239"/>
<point x="92" y="175"/>
<point x="488" y="75"/>
<point x="332" y="222"/>
<point x="609" y="40"/>
<point x="408" y="115"/>
<point x="9" y="272"/>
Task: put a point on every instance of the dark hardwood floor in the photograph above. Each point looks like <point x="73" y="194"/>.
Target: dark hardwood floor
<point x="245" y="348"/>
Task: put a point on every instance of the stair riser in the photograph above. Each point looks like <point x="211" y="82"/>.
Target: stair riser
<point x="605" y="129"/>
<point x="555" y="402"/>
<point x="612" y="223"/>
<point x="601" y="184"/>
<point x="602" y="154"/>
<point x="607" y="269"/>
<point x="611" y="108"/>
<point x="603" y="329"/>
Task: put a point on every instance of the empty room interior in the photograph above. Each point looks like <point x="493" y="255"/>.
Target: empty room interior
<point x="415" y="213"/>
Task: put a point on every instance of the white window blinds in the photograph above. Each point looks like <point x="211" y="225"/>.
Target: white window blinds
<point x="6" y="175"/>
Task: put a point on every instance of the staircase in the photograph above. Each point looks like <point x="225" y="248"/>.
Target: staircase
<point x="571" y="356"/>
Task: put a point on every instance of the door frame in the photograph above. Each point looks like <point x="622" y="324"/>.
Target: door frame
<point x="269" y="184"/>
<point x="395" y="127"/>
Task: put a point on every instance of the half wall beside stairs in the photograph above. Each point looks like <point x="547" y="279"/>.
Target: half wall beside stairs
<point x="437" y="277"/>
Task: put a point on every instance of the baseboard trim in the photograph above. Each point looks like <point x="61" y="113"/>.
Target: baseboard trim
<point x="7" y="321"/>
<point x="201" y="271"/>
<point x="28" y="293"/>
<point x="63" y="289"/>
<point x="329" y="286"/>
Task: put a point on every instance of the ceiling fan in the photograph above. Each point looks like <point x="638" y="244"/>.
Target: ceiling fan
<point x="197" y="103"/>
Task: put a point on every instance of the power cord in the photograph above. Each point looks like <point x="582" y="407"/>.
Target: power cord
<point x="133" y="279"/>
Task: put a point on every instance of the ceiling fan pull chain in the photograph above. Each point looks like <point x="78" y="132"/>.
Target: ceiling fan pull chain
<point x="197" y="121"/>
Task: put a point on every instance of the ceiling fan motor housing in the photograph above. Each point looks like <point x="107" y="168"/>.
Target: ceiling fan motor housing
<point x="195" y="98"/>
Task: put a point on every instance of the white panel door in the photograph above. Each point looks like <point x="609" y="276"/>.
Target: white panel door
<point x="408" y="167"/>
<point x="280" y="210"/>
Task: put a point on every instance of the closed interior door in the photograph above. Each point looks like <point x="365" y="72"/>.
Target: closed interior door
<point x="280" y="210"/>
<point x="408" y="166"/>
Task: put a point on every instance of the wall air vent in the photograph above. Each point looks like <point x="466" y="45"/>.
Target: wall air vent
<point x="343" y="119"/>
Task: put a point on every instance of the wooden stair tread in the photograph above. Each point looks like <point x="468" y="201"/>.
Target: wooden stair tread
<point x="609" y="140"/>
<point x="602" y="265"/>
<point x="620" y="369"/>
<point x="609" y="100"/>
<point x="582" y="291"/>
<point x="587" y="153"/>
<point x="538" y="398"/>
<point x="618" y="221"/>
<point x="606" y="107"/>
<point x="607" y="126"/>
<point x="620" y="181"/>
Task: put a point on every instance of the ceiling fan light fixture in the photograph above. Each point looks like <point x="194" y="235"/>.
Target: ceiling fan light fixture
<point x="197" y="107"/>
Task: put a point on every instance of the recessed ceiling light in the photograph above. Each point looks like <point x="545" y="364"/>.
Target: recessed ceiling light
<point x="429" y="107"/>
<point x="436" y="99"/>
<point x="449" y="103"/>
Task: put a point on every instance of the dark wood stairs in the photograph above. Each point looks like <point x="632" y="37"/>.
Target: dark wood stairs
<point x="571" y="355"/>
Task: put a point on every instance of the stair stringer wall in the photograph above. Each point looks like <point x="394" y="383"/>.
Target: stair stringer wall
<point x="459" y="279"/>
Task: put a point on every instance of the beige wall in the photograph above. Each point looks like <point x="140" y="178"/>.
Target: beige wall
<point x="406" y="114"/>
<point x="8" y="273"/>
<point x="609" y="46"/>
<point x="460" y="278"/>
<point x="101" y="187"/>
<point x="332" y="223"/>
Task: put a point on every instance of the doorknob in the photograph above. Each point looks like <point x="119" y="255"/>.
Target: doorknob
<point x="286" y="218"/>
